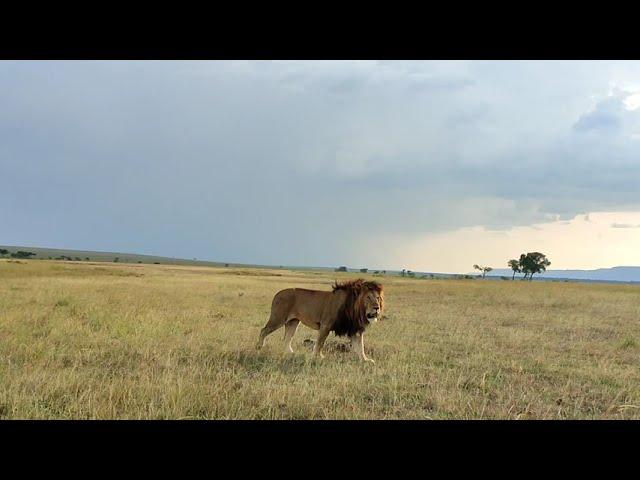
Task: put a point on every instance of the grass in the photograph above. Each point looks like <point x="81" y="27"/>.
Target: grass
<point x="97" y="340"/>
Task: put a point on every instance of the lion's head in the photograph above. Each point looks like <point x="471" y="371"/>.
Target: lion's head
<point x="364" y="304"/>
<point x="371" y="301"/>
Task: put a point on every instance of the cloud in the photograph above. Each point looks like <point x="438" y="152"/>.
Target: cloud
<point x="605" y="116"/>
<point x="624" y="225"/>
<point x="301" y="162"/>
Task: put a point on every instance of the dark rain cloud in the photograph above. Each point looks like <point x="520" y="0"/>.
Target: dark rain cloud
<point x="296" y="162"/>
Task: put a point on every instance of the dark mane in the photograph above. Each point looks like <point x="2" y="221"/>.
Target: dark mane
<point x="351" y="317"/>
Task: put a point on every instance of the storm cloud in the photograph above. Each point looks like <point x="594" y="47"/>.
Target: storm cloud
<point x="304" y="162"/>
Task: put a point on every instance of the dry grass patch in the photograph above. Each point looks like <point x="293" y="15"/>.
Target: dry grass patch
<point x="154" y="341"/>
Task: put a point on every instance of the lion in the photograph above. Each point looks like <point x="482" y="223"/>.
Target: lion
<point x="347" y="310"/>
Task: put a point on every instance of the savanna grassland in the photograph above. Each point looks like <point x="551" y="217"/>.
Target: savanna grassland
<point x="104" y="341"/>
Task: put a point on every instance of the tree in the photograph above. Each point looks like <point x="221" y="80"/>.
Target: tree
<point x="515" y="266"/>
<point x="533" y="262"/>
<point x="484" y="270"/>
<point x="364" y="270"/>
<point x="524" y="265"/>
<point x="3" y="252"/>
<point x="341" y="269"/>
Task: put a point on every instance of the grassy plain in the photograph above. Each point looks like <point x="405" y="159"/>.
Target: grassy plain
<point x="99" y="340"/>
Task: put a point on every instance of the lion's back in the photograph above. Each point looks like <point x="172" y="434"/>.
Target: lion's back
<point x="306" y="303"/>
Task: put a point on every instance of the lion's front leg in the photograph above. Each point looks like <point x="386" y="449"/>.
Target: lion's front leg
<point x="357" y="342"/>
<point x="322" y="336"/>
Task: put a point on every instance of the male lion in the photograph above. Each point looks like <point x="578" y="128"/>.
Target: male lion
<point x="347" y="310"/>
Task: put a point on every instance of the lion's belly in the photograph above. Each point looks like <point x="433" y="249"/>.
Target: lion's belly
<point x="311" y="323"/>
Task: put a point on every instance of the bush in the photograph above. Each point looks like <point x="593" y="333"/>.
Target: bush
<point x="364" y="270"/>
<point x="23" y="254"/>
<point x="341" y="269"/>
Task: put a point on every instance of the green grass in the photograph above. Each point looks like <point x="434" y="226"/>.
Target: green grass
<point x="156" y="341"/>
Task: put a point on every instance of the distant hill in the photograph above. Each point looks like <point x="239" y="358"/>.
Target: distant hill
<point x="93" y="256"/>
<point x="614" y="274"/>
<point x="56" y="253"/>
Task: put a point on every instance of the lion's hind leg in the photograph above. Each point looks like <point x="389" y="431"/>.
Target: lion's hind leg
<point x="289" y="331"/>
<point x="274" y="323"/>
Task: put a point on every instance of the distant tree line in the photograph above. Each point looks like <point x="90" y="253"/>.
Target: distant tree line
<point x="407" y="273"/>
<point x="26" y="254"/>
<point x="18" y="254"/>
<point x="362" y="270"/>
<point x="70" y="259"/>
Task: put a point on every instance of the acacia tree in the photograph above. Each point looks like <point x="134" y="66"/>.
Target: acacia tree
<point x="524" y="265"/>
<point x="515" y="266"/>
<point x="533" y="262"/>
<point x="484" y="270"/>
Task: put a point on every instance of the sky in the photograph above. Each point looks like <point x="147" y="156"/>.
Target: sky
<point x="428" y="165"/>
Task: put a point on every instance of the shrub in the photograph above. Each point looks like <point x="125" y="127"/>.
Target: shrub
<point x="23" y="254"/>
